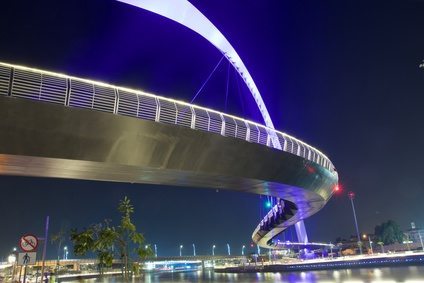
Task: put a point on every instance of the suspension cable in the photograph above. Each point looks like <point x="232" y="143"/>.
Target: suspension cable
<point x="228" y="82"/>
<point x="206" y="81"/>
<point x="239" y="91"/>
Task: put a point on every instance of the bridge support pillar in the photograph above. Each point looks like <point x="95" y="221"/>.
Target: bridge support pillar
<point x="302" y="236"/>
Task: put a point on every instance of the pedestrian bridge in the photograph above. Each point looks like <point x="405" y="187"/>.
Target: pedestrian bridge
<point x="54" y="125"/>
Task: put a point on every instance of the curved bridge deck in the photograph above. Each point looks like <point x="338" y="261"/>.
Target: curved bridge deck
<point x="139" y="137"/>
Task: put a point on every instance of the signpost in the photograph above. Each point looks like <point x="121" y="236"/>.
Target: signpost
<point x="27" y="258"/>
<point x="28" y="243"/>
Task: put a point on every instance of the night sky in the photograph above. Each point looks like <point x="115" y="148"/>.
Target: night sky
<point x="341" y="75"/>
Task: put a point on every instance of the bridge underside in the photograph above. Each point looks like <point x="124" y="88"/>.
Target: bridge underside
<point x="46" y="140"/>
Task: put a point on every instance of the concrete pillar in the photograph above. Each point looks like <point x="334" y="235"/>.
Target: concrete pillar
<point x="302" y="236"/>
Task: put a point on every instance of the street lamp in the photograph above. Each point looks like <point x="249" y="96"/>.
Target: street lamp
<point x="351" y="196"/>
<point x="156" y="250"/>
<point x="194" y="250"/>
<point x="181" y="248"/>
<point x="65" y="252"/>
<point x="369" y="240"/>
<point x="14" y="249"/>
<point x="228" y="249"/>
<point x="213" y="250"/>
<point x="242" y="249"/>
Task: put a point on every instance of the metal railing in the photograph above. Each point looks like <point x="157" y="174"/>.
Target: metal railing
<point x="24" y="82"/>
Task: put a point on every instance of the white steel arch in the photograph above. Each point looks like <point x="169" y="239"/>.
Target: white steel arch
<point x="186" y="14"/>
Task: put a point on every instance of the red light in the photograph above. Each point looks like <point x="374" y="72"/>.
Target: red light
<point x="337" y="188"/>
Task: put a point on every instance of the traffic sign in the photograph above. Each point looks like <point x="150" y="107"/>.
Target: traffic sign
<point x="28" y="243"/>
<point x="27" y="258"/>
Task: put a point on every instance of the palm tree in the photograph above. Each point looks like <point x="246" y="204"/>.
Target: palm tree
<point x="58" y="239"/>
<point x="102" y="238"/>
<point x="127" y="234"/>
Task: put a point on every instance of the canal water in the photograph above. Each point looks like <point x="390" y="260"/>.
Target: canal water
<point x="412" y="274"/>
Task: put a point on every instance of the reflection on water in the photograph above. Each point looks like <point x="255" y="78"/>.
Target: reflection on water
<point x="412" y="274"/>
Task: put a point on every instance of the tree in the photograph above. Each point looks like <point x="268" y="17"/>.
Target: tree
<point x="102" y="239"/>
<point x="127" y="234"/>
<point x="389" y="232"/>
<point x="58" y="239"/>
<point x="97" y="238"/>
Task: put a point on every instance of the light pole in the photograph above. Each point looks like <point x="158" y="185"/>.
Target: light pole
<point x="369" y="240"/>
<point x="65" y="252"/>
<point x="351" y="197"/>
<point x="242" y="249"/>
<point x="156" y="250"/>
<point x="194" y="250"/>
<point x="181" y="248"/>
<point x="228" y="249"/>
<point x="213" y="250"/>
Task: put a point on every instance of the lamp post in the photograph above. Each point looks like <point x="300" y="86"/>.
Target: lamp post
<point x="369" y="240"/>
<point x="213" y="250"/>
<point x="156" y="250"/>
<point x="65" y="252"/>
<point x="194" y="250"/>
<point x="351" y="196"/>
<point x="181" y="248"/>
<point x="228" y="249"/>
<point x="242" y="249"/>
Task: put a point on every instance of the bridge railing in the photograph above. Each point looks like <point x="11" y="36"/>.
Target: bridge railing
<point x="23" y="82"/>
